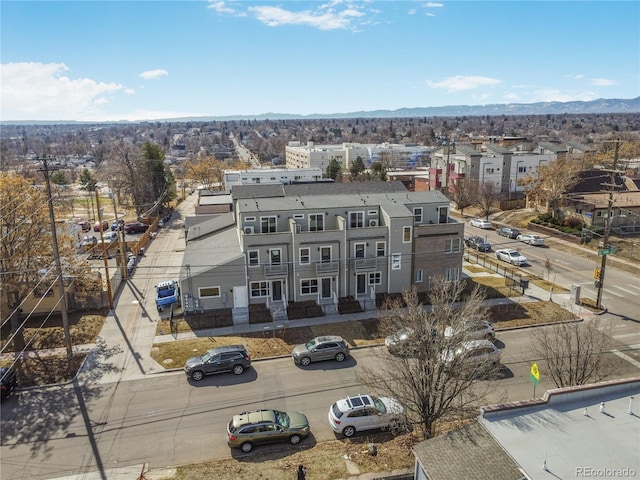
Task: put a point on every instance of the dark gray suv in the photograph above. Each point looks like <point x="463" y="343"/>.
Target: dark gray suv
<point x="326" y="347"/>
<point x="230" y="358"/>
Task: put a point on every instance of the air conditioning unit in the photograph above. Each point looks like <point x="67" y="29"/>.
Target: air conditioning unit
<point x="249" y="229"/>
<point x="373" y="222"/>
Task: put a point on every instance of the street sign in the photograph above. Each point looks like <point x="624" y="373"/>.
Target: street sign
<point x="535" y="374"/>
<point x="606" y="251"/>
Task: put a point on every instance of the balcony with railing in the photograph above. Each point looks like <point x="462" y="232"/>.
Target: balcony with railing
<point x="363" y="264"/>
<point x="327" y="267"/>
<point x="276" y="270"/>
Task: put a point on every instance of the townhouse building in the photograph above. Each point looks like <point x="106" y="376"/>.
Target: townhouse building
<point x="319" y="242"/>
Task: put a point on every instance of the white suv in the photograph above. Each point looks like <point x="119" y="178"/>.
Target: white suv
<point x="472" y="331"/>
<point x="364" y="412"/>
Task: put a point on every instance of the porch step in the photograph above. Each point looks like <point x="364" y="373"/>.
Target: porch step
<point x="240" y="315"/>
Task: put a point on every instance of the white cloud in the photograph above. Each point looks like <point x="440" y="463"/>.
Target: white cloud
<point x="433" y="5"/>
<point x="151" y="74"/>
<point x="602" y="82"/>
<point x="325" y="17"/>
<point x="460" y="82"/>
<point x="39" y="91"/>
<point x="225" y="8"/>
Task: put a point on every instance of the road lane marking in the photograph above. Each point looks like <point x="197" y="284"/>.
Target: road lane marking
<point x="614" y="293"/>
<point x="625" y="290"/>
<point x="626" y="335"/>
<point x="626" y="357"/>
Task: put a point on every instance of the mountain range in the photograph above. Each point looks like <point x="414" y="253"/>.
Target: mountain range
<point x="599" y="106"/>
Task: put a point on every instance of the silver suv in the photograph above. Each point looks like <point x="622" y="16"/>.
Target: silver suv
<point x="364" y="412"/>
<point x="229" y="358"/>
<point x="326" y="347"/>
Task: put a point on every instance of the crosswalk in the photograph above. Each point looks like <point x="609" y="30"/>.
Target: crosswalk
<point x="617" y="291"/>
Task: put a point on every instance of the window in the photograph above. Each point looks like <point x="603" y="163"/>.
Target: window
<point x="372" y="213"/>
<point x="249" y="219"/>
<point x="305" y="256"/>
<point x="356" y="219"/>
<point x="325" y="254"/>
<point x="417" y="215"/>
<point x="308" y="286"/>
<point x="259" y="289"/>
<point x="208" y="292"/>
<point x="375" y="278"/>
<point x="275" y="256"/>
<point x="418" y="278"/>
<point x="443" y="214"/>
<point x="452" y="245"/>
<point x="267" y="224"/>
<point x="360" y="250"/>
<point x="451" y="274"/>
<point x="406" y="234"/>
<point x="396" y="261"/>
<point x="316" y="222"/>
<point x="298" y="216"/>
<point x="254" y="258"/>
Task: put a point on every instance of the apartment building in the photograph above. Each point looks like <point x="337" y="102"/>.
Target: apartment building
<point x="319" y="242"/>
<point x="264" y="176"/>
<point x="392" y="154"/>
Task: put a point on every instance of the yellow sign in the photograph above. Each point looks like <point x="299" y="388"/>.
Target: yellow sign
<point x="535" y="373"/>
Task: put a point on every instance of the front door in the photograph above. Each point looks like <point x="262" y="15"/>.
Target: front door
<point x="326" y="287"/>
<point x="276" y="290"/>
<point x="361" y="283"/>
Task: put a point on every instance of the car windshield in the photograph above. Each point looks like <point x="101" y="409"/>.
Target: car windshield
<point x="515" y="254"/>
<point x="379" y="405"/>
<point x="207" y="355"/>
<point x="310" y="344"/>
<point x="282" y="418"/>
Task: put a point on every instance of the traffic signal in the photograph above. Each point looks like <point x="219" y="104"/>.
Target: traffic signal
<point x="596" y="273"/>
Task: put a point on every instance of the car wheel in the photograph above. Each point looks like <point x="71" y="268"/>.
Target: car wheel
<point x="349" y="431"/>
<point x="490" y="336"/>
<point x="197" y="375"/>
<point x="295" y="439"/>
<point x="340" y="356"/>
<point x="238" y="369"/>
<point x="304" y="361"/>
<point x="246" y="447"/>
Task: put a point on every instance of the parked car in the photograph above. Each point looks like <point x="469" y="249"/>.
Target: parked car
<point x="229" y="358"/>
<point x="511" y="256"/>
<point x="248" y="429"/>
<point x="105" y="226"/>
<point x="477" y="243"/>
<point x="8" y="382"/>
<point x="84" y="226"/>
<point x="89" y="241"/>
<point x="117" y="225"/>
<point x="399" y="343"/>
<point x="364" y="412"/>
<point x="531" y="239"/>
<point x="481" y="223"/>
<point x="473" y="352"/>
<point x="508" y="232"/>
<point x="326" y="347"/>
<point x="135" y="227"/>
<point x="473" y="330"/>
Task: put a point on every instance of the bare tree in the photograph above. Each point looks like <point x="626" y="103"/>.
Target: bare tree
<point x="573" y="352"/>
<point x="488" y="194"/>
<point x="552" y="181"/>
<point x="463" y="194"/>
<point x="426" y="373"/>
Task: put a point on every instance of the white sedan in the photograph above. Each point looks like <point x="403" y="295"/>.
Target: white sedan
<point x="531" y="239"/>
<point x="481" y="223"/>
<point x="514" y="257"/>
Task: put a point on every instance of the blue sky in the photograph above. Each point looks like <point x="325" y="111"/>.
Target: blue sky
<point x="137" y="60"/>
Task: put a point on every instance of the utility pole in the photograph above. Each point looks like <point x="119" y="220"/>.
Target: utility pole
<point x="56" y="254"/>
<point x="607" y="225"/>
<point x="121" y="237"/>
<point x="105" y="251"/>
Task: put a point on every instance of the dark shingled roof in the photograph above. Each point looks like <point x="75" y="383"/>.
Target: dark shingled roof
<point x="277" y="190"/>
<point x="469" y="452"/>
<point x="590" y="181"/>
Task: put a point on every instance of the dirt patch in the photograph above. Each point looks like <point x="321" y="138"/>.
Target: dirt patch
<point x="324" y="461"/>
